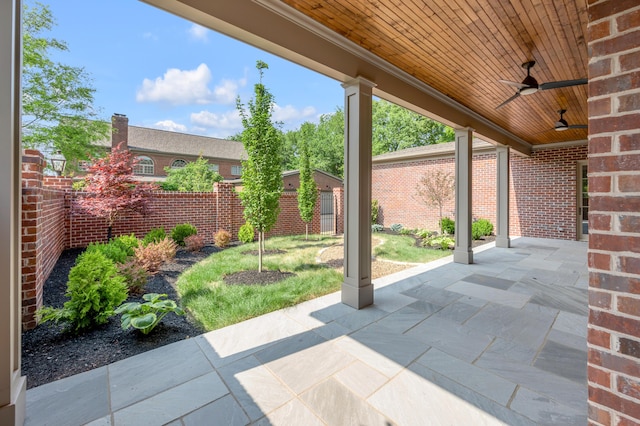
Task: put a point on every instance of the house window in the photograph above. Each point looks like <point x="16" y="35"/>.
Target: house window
<point x="178" y="164"/>
<point x="236" y="170"/>
<point x="144" y="166"/>
<point x="84" y="165"/>
<point x="214" y="168"/>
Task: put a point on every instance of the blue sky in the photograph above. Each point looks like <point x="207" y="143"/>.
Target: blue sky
<point x="168" y="73"/>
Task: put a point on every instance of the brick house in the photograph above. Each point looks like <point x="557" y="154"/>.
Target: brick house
<point x="156" y="149"/>
<point x="291" y="180"/>
<point x="547" y="195"/>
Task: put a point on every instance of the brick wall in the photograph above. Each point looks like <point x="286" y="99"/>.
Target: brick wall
<point x="542" y="198"/>
<point x="614" y="185"/>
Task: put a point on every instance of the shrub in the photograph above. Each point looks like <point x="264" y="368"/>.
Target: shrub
<point x="443" y="242"/>
<point x="154" y="236"/>
<point x="222" y="238"/>
<point x="194" y="242"/>
<point x="79" y="185"/>
<point x="153" y="255"/>
<point x="135" y="276"/>
<point x="145" y="316"/>
<point x="375" y="209"/>
<point x="126" y="243"/>
<point x="168" y="186"/>
<point x="111" y="251"/>
<point x="407" y="231"/>
<point x="180" y="232"/>
<point x="481" y="228"/>
<point x="94" y="288"/>
<point x="396" y="227"/>
<point x="246" y="233"/>
<point x="423" y="233"/>
<point x="448" y="226"/>
<point x="377" y="228"/>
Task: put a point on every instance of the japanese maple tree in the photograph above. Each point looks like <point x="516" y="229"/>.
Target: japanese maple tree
<point x="112" y="190"/>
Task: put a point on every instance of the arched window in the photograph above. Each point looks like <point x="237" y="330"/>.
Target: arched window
<point x="144" y="166"/>
<point x="178" y="164"/>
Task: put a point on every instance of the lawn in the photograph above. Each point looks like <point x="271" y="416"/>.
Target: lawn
<point x="215" y="304"/>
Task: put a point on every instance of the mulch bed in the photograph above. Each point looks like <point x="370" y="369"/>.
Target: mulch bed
<point x="49" y="353"/>
<point x="257" y="278"/>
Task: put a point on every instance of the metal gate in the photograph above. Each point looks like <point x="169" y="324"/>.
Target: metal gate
<point x="327" y="216"/>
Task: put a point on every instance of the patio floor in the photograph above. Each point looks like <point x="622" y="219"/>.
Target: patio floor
<point x="502" y="341"/>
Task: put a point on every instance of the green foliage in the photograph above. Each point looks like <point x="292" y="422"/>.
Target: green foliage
<point x="196" y="176"/>
<point x="481" y="228"/>
<point x="407" y="231"/>
<point x="375" y="210"/>
<point x="126" y="243"/>
<point x="222" y="238"/>
<point x="155" y="235"/>
<point x="135" y="276"/>
<point x="145" y="316"/>
<point x="79" y="185"/>
<point x="377" y="228"/>
<point x="396" y="227"/>
<point x="262" y="171"/>
<point x="435" y="189"/>
<point x="423" y="233"/>
<point x="115" y="252"/>
<point x="308" y="190"/>
<point x="447" y="226"/>
<point x="444" y="242"/>
<point x="246" y="233"/>
<point x="153" y="255"/>
<point x="403" y="249"/>
<point x="95" y="288"/>
<point x="181" y="231"/>
<point x="57" y="99"/>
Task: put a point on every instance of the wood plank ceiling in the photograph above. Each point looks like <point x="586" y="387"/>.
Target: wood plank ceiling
<point x="462" y="48"/>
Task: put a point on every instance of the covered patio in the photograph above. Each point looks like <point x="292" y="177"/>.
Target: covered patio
<point x="499" y="342"/>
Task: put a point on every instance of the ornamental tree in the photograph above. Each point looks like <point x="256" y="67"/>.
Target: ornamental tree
<point x="112" y="190"/>
<point x="262" y="171"/>
<point x="196" y="176"/>
<point x="307" y="191"/>
<point x="435" y="190"/>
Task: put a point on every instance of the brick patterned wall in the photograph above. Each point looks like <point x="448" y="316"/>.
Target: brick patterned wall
<point x="614" y="185"/>
<point x="542" y="198"/>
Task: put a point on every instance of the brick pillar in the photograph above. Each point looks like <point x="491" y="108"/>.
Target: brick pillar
<point x="32" y="178"/>
<point x="225" y="203"/>
<point x="614" y="220"/>
<point x="120" y="131"/>
<point x="338" y="194"/>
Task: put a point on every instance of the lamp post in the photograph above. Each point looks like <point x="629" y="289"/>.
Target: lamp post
<point x="58" y="162"/>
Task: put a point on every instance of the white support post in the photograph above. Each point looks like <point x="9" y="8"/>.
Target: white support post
<point x="357" y="290"/>
<point x="502" y="208"/>
<point x="463" y="252"/>
<point x="12" y="383"/>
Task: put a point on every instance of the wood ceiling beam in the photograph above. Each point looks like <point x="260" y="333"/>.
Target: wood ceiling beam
<point x="280" y="30"/>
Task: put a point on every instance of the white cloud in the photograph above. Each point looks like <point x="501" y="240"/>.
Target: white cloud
<point x="178" y="87"/>
<point x="183" y="87"/>
<point x="289" y="113"/>
<point x="150" y="36"/>
<point x="171" y="126"/>
<point x="198" y="32"/>
<point x="229" y="120"/>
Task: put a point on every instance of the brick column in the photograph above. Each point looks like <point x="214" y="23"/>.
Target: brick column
<point x="225" y="202"/>
<point x="614" y="221"/>
<point x="338" y="193"/>
<point x="32" y="177"/>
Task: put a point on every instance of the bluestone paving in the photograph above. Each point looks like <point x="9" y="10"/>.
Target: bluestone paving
<point x="501" y="341"/>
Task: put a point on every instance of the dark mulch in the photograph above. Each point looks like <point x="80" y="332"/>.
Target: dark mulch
<point x="49" y="353"/>
<point x="256" y="278"/>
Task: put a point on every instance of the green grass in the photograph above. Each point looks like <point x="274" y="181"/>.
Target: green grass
<point x="215" y="304"/>
<point x="401" y="248"/>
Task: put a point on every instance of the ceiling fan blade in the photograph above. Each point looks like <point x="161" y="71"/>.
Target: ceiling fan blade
<point x="563" y="83"/>
<point x="508" y="100"/>
<point x="578" y="126"/>
<point x="514" y="84"/>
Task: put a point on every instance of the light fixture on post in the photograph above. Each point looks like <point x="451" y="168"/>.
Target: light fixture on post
<point x="58" y="162"/>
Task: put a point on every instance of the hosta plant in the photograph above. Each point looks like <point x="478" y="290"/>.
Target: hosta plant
<point x="145" y="316"/>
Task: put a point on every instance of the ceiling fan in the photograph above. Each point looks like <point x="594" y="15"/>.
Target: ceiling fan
<point x="562" y="124"/>
<point x="530" y="85"/>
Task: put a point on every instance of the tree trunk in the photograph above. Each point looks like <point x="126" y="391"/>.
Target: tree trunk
<point x="109" y="233"/>
<point x="260" y="236"/>
<point x="306" y="232"/>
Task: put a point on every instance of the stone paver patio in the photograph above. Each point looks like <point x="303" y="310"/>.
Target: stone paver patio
<point x="502" y="341"/>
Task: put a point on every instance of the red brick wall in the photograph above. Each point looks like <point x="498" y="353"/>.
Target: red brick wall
<point x="614" y="192"/>
<point x="542" y="199"/>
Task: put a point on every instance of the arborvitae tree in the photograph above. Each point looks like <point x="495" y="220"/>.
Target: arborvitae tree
<point x="307" y="191"/>
<point x="262" y="171"/>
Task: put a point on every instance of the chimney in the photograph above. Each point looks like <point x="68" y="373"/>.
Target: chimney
<point x="120" y="133"/>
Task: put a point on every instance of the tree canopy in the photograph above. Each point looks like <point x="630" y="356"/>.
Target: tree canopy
<point x="196" y="176"/>
<point x="308" y="190"/>
<point x="57" y="99"/>
<point x="262" y="171"/>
